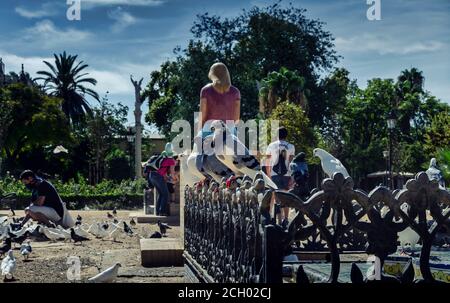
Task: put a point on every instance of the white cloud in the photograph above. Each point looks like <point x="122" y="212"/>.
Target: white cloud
<point x="45" y="34"/>
<point x="386" y="45"/>
<point x="122" y="19"/>
<point x="94" y="3"/>
<point x="47" y="9"/>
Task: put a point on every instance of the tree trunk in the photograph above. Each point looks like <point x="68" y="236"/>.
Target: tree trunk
<point x="138" y="127"/>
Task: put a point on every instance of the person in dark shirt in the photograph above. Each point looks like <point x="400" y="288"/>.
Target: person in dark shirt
<point x="46" y="205"/>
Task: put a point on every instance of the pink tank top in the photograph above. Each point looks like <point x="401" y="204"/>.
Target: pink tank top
<point x="220" y="106"/>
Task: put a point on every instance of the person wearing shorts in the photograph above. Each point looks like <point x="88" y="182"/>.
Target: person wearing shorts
<point x="279" y="154"/>
<point x="46" y="206"/>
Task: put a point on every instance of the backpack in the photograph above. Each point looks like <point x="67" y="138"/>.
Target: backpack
<point x="280" y="168"/>
<point x="153" y="164"/>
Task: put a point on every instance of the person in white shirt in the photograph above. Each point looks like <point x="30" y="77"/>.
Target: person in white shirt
<point x="278" y="156"/>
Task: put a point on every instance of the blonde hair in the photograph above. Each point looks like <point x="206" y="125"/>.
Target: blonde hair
<point x="219" y="75"/>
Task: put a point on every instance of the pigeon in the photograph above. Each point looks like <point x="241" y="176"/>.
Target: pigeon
<point x="51" y="235"/>
<point x="8" y="266"/>
<point x="330" y="164"/>
<point x="107" y="276"/>
<point x="127" y="229"/>
<point x="19" y="239"/>
<point x="5" y="247"/>
<point x="235" y="155"/>
<point x="187" y="177"/>
<point x="105" y="225"/>
<point x="132" y="222"/>
<point x="114" y="234"/>
<point x="434" y="173"/>
<point x="115" y="221"/>
<point x="163" y="227"/>
<point x="156" y="235"/>
<point x="78" y="223"/>
<point x="60" y="149"/>
<point x="77" y="238"/>
<point x="79" y="218"/>
<point x="81" y="232"/>
<point x="114" y="211"/>
<point x="25" y="250"/>
<point x="408" y="237"/>
<point x="109" y="216"/>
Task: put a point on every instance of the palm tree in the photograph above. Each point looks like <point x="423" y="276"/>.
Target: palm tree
<point x="66" y="81"/>
<point x="284" y="85"/>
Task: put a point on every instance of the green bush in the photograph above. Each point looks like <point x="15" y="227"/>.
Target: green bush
<point x="78" y="194"/>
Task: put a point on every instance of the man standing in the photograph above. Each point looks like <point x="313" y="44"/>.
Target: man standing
<point x="46" y="205"/>
<point x="279" y="154"/>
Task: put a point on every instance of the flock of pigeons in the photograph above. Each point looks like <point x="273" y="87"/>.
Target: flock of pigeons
<point x="234" y="159"/>
<point x="12" y="234"/>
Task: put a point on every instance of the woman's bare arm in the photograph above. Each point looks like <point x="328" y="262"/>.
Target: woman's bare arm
<point x="203" y="116"/>
<point x="237" y="111"/>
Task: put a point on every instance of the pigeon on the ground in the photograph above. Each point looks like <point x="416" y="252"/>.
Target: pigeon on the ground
<point x="156" y="235"/>
<point x="107" y="276"/>
<point x="51" y="235"/>
<point x="127" y="229"/>
<point x="5" y="247"/>
<point x="105" y="225"/>
<point x="19" y="239"/>
<point x="114" y="212"/>
<point x="163" y="227"/>
<point x="115" y="221"/>
<point x="8" y="266"/>
<point x="81" y="232"/>
<point x="79" y="218"/>
<point x="132" y="222"/>
<point x="25" y="250"/>
<point x="77" y="238"/>
<point x="115" y="233"/>
<point x="330" y="164"/>
<point x="109" y="216"/>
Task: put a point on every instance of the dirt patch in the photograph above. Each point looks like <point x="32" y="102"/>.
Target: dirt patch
<point x="48" y="262"/>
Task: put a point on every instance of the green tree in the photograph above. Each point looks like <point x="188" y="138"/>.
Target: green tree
<point x="102" y="128"/>
<point x="66" y="80"/>
<point x="437" y="135"/>
<point x="252" y="45"/>
<point x="36" y="120"/>
<point x="281" y="86"/>
<point x="300" y="133"/>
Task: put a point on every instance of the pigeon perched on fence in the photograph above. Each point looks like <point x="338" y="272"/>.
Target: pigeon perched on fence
<point x="235" y="155"/>
<point x="8" y="266"/>
<point x="330" y="164"/>
<point x="107" y="276"/>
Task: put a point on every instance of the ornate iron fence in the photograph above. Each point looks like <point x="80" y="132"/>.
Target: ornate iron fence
<point x="231" y="235"/>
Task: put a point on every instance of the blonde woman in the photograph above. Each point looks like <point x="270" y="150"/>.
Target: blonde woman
<point x="219" y="100"/>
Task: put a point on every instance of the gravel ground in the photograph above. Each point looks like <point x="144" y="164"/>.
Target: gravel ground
<point x="48" y="262"/>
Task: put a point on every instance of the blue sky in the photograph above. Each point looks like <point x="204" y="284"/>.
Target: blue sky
<point x="122" y="37"/>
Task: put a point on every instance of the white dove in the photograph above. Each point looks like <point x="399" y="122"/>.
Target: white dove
<point x="330" y="164"/>
<point x="235" y="155"/>
<point x="25" y="249"/>
<point x="187" y="177"/>
<point x="8" y="266"/>
<point x="60" y="149"/>
<point x="114" y="234"/>
<point x="107" y="276"/>
<point x="53" y="236"/>
<point x="81" y="232"/>
<point x="408" y="237"/>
